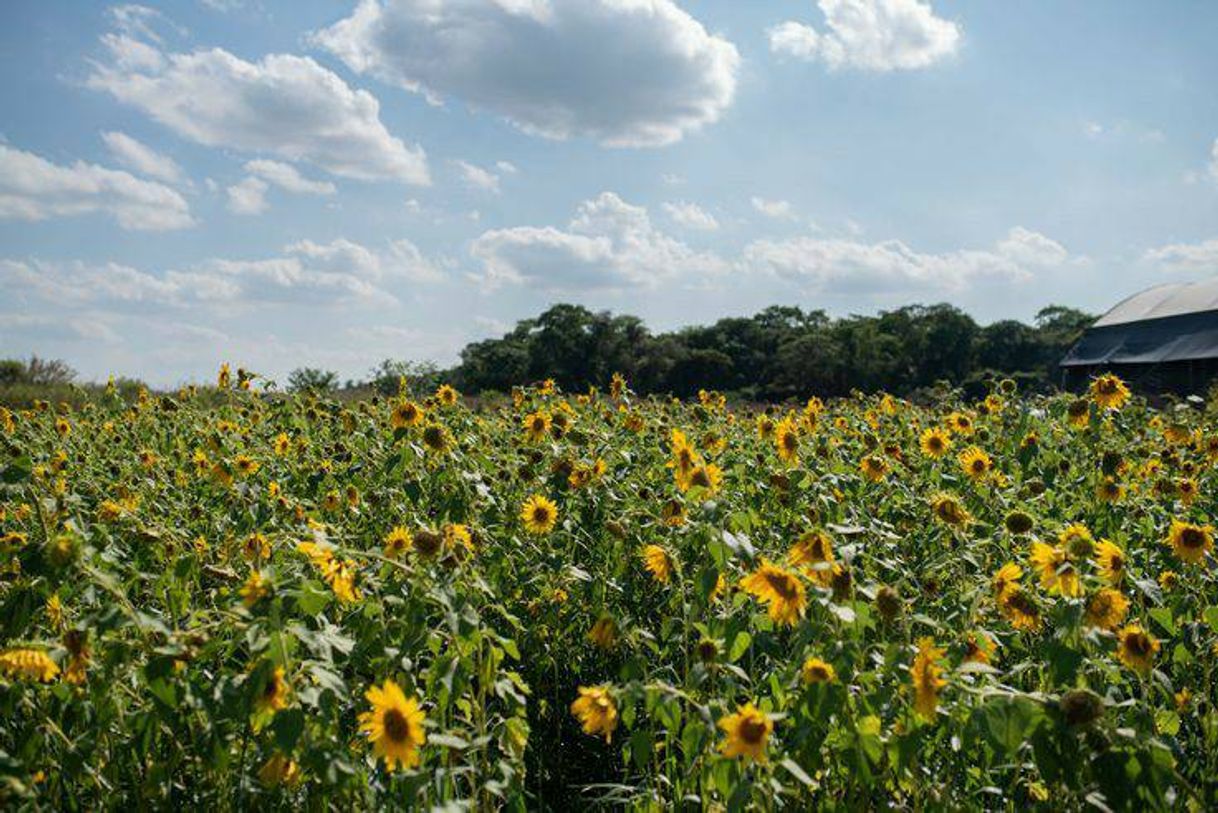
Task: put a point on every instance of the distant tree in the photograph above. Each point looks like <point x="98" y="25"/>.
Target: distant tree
<point x="46" y="372"/>
<point x="312" y="379"/>
<point x="387" y="376"/>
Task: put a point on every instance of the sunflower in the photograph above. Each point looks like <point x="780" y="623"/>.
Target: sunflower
<point x="747" y="732"/>
<point x="405" y="414"/>
<point x="786" y="440"/>
<point x="536" y="426"/>
<point x="1191" y="542"/>
<point x="658" y="563"/>
<point x="279" y="770"/>
<point x="935" y="442"/>
<point x="978" y="648"/>
<point x="1136" y="648"/>
<point x="274" y="693"/>
<point x="927" y="677"/>
<point x="446" y="395"/>
<point x="780" y="589"/>
<point x="873" y="468"/>
<point x="254" y="590"/>
<point x="975" y="463"/>
<point x="948" y="510"/>
<point x="539" y="515"/>
<point x="1057" y="572"/>
<point x="707" y="476"/>
<point x="1111" y="560"/>
<point x="394" y="725"/>
<point x="960" y="423"/>
<point x="1076" y="540"/>
<point x="256" y="546"/>
<point x="765" y="427"/>
<point x="28" y="664"/>
<point x="814" y="552"/>
<point x="1109" y="391"/>
<point x="397" y="542"/>
<point x="1187" y="490"/>
<point x="1078" y="413"/>
<point x="1107" y="608"/>
<point x="595" y="710"/>
<point x="1110" y="490"/>
<point x="603" y="633"/>
<point x="1019" y="610"/>
<point x="815" y="670"/>
<point x="436" y="438"/>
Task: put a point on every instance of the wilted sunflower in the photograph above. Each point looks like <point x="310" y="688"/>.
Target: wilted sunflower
<point x="927" y="677"/>
<point x="539" y="515"/>
<point x="658" y="563"/>
<point x="1109" y="391"/>
<point x="747" y="732"/>
<point x="1190" y="541"/>
<point x="815" y="670"/>
<point x="781" y="591"/>
<point x="1106" y="609"/>
<point x="813" y="551"/>
<point x="935" y="442"/>
<point x="975" y="463"/>
<point x="394" y="725"/>
<point x="1136" y="648"/>
<point x="595" y="710"/>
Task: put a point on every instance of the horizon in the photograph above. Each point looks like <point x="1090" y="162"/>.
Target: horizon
<point x="318" y="184"/>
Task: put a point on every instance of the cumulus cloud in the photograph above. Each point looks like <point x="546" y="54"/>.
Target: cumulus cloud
<point x="852" y="267"/>
<point x="608" y="244"/>
<point x="248" y="196"/>
<point x="282" y="105"/>
<point x="137" y="156"/>
<point x="1213" y="167"/>
<point x="691" y="216"/>
<point x="288" y="178"/>
<point x="870" y="35"/>
<point x="33" y="188"/>
<point x="777" y="209"/>
<point x="627" y="73"/>
<point x="1185" y="258"/>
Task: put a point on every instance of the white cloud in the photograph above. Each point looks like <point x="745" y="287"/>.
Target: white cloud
<point x="248" y="196"/>
<point x="608" y="244"/>
<point x="1213" y="166"/>
<point x="1185" y="258"/>
<point x="287" y="177"/>
<point x="506" y="167"/>
<point x="777" y="209"/>
<point x="628" y="73"/>
<point x="142" y="158"/>
<point x="476" y="177"/>
<point x="283" y="105"/>
<point x="32" y="188"/>
<point x="691" y="216"/>
<point x="871" y="35"/>
<point x="852" y="267"/>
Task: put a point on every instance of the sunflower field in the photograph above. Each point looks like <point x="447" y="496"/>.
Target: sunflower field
<point x="231" y="598"/>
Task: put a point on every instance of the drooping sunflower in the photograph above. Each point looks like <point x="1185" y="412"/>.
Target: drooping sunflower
<point x="746" y="733"/>
<point x="1107" y="608"/>
<point x="927" y="677"/>
<point x="1190" y="541"/>
<point x="1137" y="648"/>
<point x="779" y="589"/>
<point x="273" y="695"/>
<point x="1111" y="561"/>
<point x="935" y="442"/>
<point x="816" y="670"/>
<point x="603" y="633"/>
<point x="595" y="710"/>
<point x="873" y="468"/>
<point x="28" y="664"/>
<point x="1110" y="490"/>
<point x="786" y="440"/>
<point x="1019" y="610"/>
<point x="658" y="563"/>
<point x="539" y="515"/>
<point x="1076" y="540"/>
<point x="1109" y="391"/>
<point x="394" y="725"/>
<point x="949" y="510"/>
<point x="975" y="463"/>
<point x="813" y="552"/>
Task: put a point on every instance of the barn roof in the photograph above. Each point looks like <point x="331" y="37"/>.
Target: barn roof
<point x="1172" y="299"/>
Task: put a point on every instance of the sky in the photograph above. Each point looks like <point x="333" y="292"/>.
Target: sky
<point x="330" y="183"/>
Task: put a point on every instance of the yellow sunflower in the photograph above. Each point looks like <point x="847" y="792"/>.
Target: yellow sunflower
<point x="873" y="468"/>
<point x="935" y="442"/>
<point x="603" y="633"/>
<point x="1191" y="542"/>
<point x="273" y="695"/>
<point x="815" y="670"/>
<point x="536" y="426"/>
<point x="927" y="677"/>
<point x="1111" y="560"/>
<point x="1107" y="608"/>
<point x="539" y="515"/>
<point x="975" y="463"/>
<point x="1057" y="572"/>
<point x="405" y="414"/>
<point x="658" y="563"/>
<point x="394" y="726"/>
<point x="747" y="732"/>
<point x="446" y="395"/>
<point x="1136" y="648"/>
<point x="786" y="440"/>
<point x="595" y="710"/>
<point x="948" y="510"/>
<point x="28" y="664"/>
<point x="780" y="589"/>
<point x="397" y="542"/>
<point x="1109" y="391"/>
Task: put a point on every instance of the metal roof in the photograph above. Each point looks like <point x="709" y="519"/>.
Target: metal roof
<point x="1172" y="299"/>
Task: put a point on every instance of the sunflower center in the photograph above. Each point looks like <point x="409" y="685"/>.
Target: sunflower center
<point x="782" y="584"/>
<point x="541" y="514"/>
<point x="396" y="726"/>
<point x="1137" y="644"/>
<point x="1192" y="538"/>
<point x="752" y="731"/>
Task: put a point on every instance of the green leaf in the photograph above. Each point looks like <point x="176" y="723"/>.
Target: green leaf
<point x="797" y="772"/>
<point x="287" y="727"/>
<point x="17" y="471"/>
<point x="740" y="645"/>
<point x="1163" y="616"/>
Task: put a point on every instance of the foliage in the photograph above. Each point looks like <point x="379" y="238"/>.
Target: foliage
<point x="312" y="379"/>
<point x="745" y="607"/>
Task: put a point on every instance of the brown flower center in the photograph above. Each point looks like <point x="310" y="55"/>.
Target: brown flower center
<point x="396" y="726"/>
<point x="752" y="730"/>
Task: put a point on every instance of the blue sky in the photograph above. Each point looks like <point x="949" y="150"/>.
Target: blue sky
<point x="329" y="183"/>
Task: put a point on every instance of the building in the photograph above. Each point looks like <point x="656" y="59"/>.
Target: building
<point x="1164" y="338"/>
